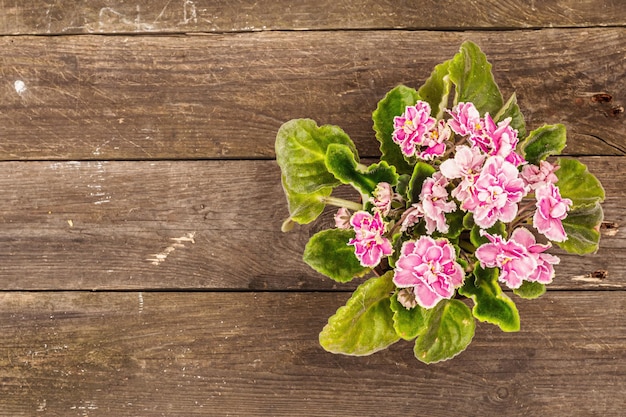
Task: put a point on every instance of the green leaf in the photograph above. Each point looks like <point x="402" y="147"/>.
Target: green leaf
<point x="471" y="74"/>
<point x="455" y="222"/>
<point x="328" y="253"/>
<point x="511" y="109"/>
<point x="403" y="185"/>
<point x="365" y="324"/>
<point x="421" y="171"/>
<point x="578" y="184"/>
<point x="497" y="229"/>
<point x="436" y="89"/>
<point x="397" y="240"/>
<point x="530" y="290"/>
<point x="490" y="303"/>
<point x="301" y="152"/>
<point x="450" y="330"/>
<point x="341" y="163"/>
<point x="543" y="142"/>
<point x="304" y="208"/>
<point x="392" y="105"/>
<point x="468" y="220"/>
<point x="582" y="226"/>
<point x="408" y="323"/>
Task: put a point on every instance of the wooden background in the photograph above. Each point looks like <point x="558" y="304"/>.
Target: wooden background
<point x="142" y="269"/>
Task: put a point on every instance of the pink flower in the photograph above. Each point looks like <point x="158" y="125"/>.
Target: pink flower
<point x="411" y="216"/>
<point x="435" y="204"/>
<point x="411" y="127"/>
<point x="512" y="257"/>
<point x="496" y="193"/>
<point x="465" y="119"/>
<point x="544" y="272"/>
<point x="434" y="141"/>
<point x="382" y="197"/>
<point x="342" y="218"/>
<point x="500" y="140"/>
<point x="551" y="210"/>
<point x="429" y="267"/>
<point x="536" y="176"/>
<point x="369" y="244"/>
<point x="466" y="165"/>
<point x="520" y="258"/>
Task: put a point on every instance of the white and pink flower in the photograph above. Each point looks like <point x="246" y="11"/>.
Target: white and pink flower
<point x="498" y="140"/>
<point x="429" y="266"/>
<point x="496" y="193"/>
<point x="382" y="198"/>
<point x="369" y="243"/>
<point x="411" y="128"/>
<point x="411" y="216"/>
<point x="544" y="273"/>
<point x="511" y="257"/>
<point x="342" y="218"/>
<point x="465" y="120"/>
<point x="435" y="204"/>
<point x="466" y="165"/>
<point x="434" y="142"/>
<point x="551" y="210"/>
<point x="519" y="258"/>
<point x="537" y="176"/>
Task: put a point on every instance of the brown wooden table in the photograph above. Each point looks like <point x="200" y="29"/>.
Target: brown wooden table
<point x="142" y="269"/>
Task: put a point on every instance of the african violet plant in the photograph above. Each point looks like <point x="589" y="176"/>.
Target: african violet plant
<point x="463" y="202"/>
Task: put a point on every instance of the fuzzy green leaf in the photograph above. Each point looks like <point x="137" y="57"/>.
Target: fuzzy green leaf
<point x="328" y="253"/>
<point x="468" y="220"/>
<point x="365" y="324"/>
<point x="436" y="89"/>
<point x="304" y="208"/>
<point x="543" y="142"/>
<point x="403" y="185"/>
<point x="582" y="226"/>
<point x="490" y="303"/>
<point x="409" y="323"/>
<point x="340" y="161"/>
<point x="421" y="171"/>
<point x="582" y="223"/>
<point x="471" y="74"/>
<point x="301" y="152"/>
<point x="450" y="329"/>
<point x="530" y="290"/>
<point x="578" y="184"/>
<point x="392" y="105"/>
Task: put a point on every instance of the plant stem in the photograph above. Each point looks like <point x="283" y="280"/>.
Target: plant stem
<point x="340" y="202"/>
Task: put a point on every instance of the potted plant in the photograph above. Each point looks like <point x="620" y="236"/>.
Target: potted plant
<point x="463" y="203"/>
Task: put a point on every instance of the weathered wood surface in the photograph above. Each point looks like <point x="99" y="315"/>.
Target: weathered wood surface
<point x="142" y="161"/>
<point x="256" y="354"/>
<point x="204" y="224"/>
<point x="225" y="96"/>
<point x="146" y="16"/>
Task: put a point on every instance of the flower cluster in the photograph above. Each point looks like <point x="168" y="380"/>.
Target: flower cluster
<point x="478" y="173"/>
<point x="463" y="203"/>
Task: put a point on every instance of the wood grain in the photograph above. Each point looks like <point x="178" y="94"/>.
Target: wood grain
<point x="150" y="16"/>
<point x="256" y="354"/>
<point x="197" y="224"/>
<point x="225" y="96"/>
<point x="140" y="164"/>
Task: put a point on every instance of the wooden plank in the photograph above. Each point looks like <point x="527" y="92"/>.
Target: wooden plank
<point x="197" y="224"/>
<point x="182" y="354"/>
<point x="65" y="16"/>
<point x="225" y="96"/>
